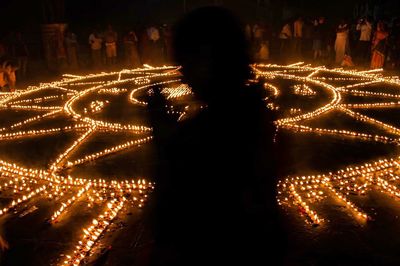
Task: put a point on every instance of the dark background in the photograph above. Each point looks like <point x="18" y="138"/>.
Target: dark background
<point x="31" y="13"/>
<point x="82" y="16"/>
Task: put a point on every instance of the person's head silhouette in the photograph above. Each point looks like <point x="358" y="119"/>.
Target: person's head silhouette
<point x="211" y="47"/>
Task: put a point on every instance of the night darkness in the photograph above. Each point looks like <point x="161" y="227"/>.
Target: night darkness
<point x="199" y="132"/>
<point x="24" y="13"/>
<point x="83" y="15"/>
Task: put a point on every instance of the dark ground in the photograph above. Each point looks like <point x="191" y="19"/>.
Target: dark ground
<point x="341" y="241"/>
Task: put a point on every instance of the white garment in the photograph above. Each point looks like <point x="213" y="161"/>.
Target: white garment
<point x="366" y="30"/>
<point x="95" y="42"/>
<point x="286" y="32"/>
<point x="340" y="45"/>
<point x="264" y="52"/>
<point x="153" y="34"/>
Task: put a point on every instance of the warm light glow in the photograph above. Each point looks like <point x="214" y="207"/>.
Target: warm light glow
<point x="115" y="197"/>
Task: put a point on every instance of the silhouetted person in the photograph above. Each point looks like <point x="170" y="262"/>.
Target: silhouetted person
<point x="215" y="187"/>
<point x="110" y="38"/>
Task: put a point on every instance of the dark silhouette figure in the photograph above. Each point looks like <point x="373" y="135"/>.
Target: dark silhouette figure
<point x="215" y="187"/>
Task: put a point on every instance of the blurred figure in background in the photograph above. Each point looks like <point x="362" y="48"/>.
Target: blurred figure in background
<point x="307" y="39"/>
<point x="298" y="27"/>
<point x="285" y="37"/>
<point x="379" y="46"/>
<point x="144" y="45"/>
<point x="3" y="80"/>
<point x="155" y="46"/>
<point x="364" y="26"/>
<point x="317" y="38"/>
<point x="263" y="53"/>
<point x="167" y="34"/>
<point x="71" y="44"/>
<point x="249" y="34"/>
<point x="341" y="43"/>
<point x="258" y="33"/>
<point x="395" y="44"/>
<point x="95" y="42"/>
<point x="60" y="51"/>
<point x="110" y="38"/>
<point x="261" y="42"/>
<point x="131" y="49"/>
<point x="9" y="78"/>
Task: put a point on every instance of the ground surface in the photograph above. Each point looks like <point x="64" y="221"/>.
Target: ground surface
<point x="96" y="127"/>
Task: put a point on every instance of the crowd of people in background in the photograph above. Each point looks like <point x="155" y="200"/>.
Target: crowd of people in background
<point x="152" y="46"/>
<point x="363" y="43"/>
<point x="132" y="49"/>
<point x="13" y="58"/>
<point x="101" y="49"/>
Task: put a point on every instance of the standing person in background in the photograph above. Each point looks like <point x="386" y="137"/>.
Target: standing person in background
<point x="248" y="32"/>
<point x="263" y="53"/>
<point x="341" y="43"/>
<point x="353" y="38"/>
<point x="144" y="45"/>
<point x="3" y="79"/>
<point x="257" y="38"/>
<point x="110" y="38"/>
<point x="325" y="40"/>
<point x="298" y="36"/>
<point x="95" y="42"/>
<point x="285" y="37"/>
<point x="317" y="39"/>
<point x="60" y="51"/>
<point x="329" y="35"/>
<point x="131" y="49"/>
<point x="395" y="44"/>
<point x="71" y="44"/>
<point x="167" y="34"/>
<point x="307" y="40"/>
<point x="21" y="54"/>
<point x="155" y="50"/>
<point x="259" y="42"/>
<point x="255" y="31"/>
<point x="365" y="28"/>
<point x="379" y="46"/>
<point x="11" y="78"/>
<point x="265" y="44"/>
